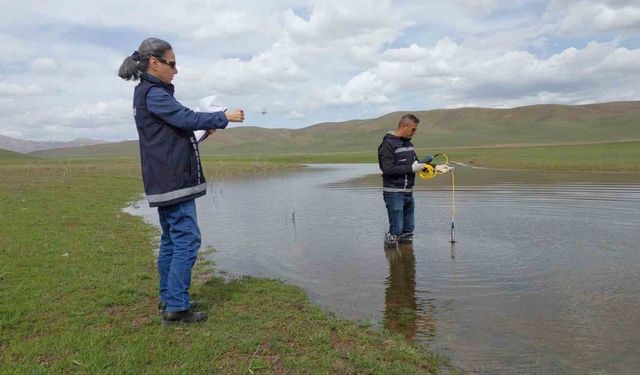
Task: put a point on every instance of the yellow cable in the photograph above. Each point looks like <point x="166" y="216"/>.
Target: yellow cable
<point x="446" y="158"/>
<point x="429" y="172"/>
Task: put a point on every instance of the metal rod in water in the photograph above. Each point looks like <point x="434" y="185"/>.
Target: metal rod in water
<point x="453" y="233"/>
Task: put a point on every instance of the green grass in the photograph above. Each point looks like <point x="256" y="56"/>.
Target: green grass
<point x="606" y="157"/>
<point x="78" y="291"/>
<point x="611" y="157"/>
<point x="7" y="156"/>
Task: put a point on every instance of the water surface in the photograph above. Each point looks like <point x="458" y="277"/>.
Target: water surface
<point x="545" y="276"/>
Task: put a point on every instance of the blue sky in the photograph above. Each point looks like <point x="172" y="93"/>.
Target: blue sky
<point x="307" y="62"/>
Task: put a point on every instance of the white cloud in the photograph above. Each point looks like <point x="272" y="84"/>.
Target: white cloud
<point x="266" y="70"/>
<point x="43" y="65"/>
<point x="6" y="104"/>
<point x="16" y="49"/>
<point x="587" y="16"/>
<point x="354" y="30"/>
<point x="338" y="20"/>
<point x="295" y="115"/>
<point x="453" y="72"/>
<point x="228" y="24"/>
<point x="14" y="90"/>
<point x="486" y="6"/>
<point x="366" y="87"/>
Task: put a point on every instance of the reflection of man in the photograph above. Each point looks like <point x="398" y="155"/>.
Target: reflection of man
<point x="399" y="164"/>
<point x="400" y="295"/>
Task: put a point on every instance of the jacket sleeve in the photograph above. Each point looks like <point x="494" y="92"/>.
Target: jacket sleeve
<point x="165" y="106"/>
<point x="387" y="162"/>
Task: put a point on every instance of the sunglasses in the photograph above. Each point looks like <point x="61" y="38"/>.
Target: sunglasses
<point x="172" y="64"/>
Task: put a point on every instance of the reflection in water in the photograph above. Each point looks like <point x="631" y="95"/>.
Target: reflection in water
<point x="402" y="312"/>
<point x="400" y="293"/>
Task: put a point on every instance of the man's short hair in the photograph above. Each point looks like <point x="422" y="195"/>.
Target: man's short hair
<point x="409" y="117"/>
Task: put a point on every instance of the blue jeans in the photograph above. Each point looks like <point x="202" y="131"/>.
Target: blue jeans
<point x="400" y="209"/>
<point x="179" y="245"/>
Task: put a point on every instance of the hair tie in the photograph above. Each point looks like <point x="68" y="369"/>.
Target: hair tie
<point x="135" y="56"/>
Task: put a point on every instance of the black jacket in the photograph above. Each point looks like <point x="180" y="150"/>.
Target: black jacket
<point x="395" y="156"/>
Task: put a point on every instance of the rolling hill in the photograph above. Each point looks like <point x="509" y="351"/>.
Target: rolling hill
<point x="25" y="146"/>
<point x="440" y="128"/>
<point x="12" y="155"/>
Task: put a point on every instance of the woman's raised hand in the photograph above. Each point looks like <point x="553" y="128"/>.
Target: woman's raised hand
<point x="235" y="115"/>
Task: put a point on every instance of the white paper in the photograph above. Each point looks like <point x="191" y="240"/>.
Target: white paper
<point x="206" y="104"/>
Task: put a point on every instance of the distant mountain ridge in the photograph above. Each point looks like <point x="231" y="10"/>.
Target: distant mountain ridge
<point x="27" y="146"/>
<point x="547" y="124"/>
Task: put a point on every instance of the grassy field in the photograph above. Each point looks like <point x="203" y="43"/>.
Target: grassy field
<point x="7" y="156"/>
<point x="605" y="157"/>
<point x="78" y="291"/>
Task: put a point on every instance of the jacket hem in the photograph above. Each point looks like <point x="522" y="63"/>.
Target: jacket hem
<point x="176" y="196"/>
<point x="396" y="190"/>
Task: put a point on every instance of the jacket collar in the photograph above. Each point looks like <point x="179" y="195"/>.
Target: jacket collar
<point x="393" y="135"/>
<point x="153" y="79"/>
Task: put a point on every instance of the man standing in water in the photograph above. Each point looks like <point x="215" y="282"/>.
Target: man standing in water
<point x="399" y="164"/>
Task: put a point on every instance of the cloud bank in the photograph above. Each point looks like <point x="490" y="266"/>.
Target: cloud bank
<point x="311" y="61"/>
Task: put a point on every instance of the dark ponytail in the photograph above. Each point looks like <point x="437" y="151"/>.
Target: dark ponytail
<point x="133" y="66"/>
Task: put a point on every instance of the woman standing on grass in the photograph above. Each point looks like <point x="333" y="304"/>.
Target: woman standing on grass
<point x="171" y="169"/>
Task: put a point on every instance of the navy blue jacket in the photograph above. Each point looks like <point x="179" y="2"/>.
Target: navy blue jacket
<point x="395" y="156"/>
<point x="169" y="155"/>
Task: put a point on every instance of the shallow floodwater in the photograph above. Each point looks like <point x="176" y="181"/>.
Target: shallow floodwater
<point x="545" y="276"/>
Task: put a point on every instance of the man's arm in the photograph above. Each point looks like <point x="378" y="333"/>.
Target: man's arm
<point x="165" y="106"/>
<point x="386" y="157"/>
